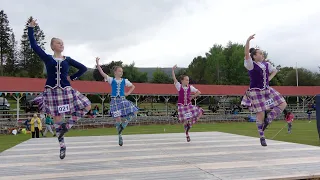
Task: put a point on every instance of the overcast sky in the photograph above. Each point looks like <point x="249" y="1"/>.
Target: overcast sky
<point x="161" y="33"/>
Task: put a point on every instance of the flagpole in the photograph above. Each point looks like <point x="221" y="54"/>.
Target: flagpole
<point x="297" y="78"/>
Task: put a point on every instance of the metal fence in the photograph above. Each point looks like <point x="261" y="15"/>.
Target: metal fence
<point x="9" y="122"/>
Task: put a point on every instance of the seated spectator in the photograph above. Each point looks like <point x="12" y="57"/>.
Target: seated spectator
<point x="90" y="114"/>
<point x="96" y="108"/>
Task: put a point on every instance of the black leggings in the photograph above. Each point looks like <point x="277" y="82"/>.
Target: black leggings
<point x="35" y="133"/>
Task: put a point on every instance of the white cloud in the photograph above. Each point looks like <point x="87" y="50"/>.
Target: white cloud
<point x="174" y="32"/>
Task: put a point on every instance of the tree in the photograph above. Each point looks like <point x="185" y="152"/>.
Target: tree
<point x="281" y="76"/>
<point x="233" y="69"/>
<point x="107" y="68"/>
<point x="87" y="76"/>
<point x="161" y="77"/>
<point x="224" y="65"/>
<point x="29" y="60"/>
<point x="196" y="70"/>
<point x="305" y="78"/>
<point x="133" y="74"/>
<point x="215" y="57"/>
<point x="180" y="72"/>
<point x="12" y="62"/>
<point x="5" y="32"/>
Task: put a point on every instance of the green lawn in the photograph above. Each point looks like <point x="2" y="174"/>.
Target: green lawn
<point x="302" y="132"/>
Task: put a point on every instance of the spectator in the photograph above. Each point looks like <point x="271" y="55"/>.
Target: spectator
<point x="36" y="126"/>
<point x="42" y="119"/>
<point x="90" y="114"/>
<point x="289" y="119"/>
<point x="309" y="112"/>
<point x="96" y="108"/>
<point x="49" y="124"/>
<point x="27" y="124"/>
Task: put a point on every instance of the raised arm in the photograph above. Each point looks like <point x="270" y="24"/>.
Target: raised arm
<point x="104" y="75"/>
<point x="174" y="74"/>
<point x="81" y="69"/>
<point x="248" y="63"/>
<point x="247" y="47"/>
<point x="33" y="43"/>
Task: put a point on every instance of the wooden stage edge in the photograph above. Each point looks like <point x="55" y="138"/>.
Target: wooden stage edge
<point x="209" y="156"/>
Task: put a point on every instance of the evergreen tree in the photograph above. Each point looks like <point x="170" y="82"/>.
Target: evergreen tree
<point x="12" y="61"/>
<point x="5" y="32"/>
<point x="29" y="60"/>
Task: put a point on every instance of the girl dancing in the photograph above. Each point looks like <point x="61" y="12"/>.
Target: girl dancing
<point x="59" y="98"/>
<point x="119" y="105"/>
<point x="187" y="113"/>
<point x="261" y="97"/>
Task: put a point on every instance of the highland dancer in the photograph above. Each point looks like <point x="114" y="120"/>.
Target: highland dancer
<point x="188" y="114"/>
<point x="119" y="105"/>
<point x="59" y="98"/>
<point x="261" y="97"/>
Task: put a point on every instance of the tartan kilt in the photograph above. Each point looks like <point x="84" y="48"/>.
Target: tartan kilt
<point x="189" y="113"/>
<point x="49" y="101"/>
<point x="121" y="107"/>
<point x="262" y="100"/>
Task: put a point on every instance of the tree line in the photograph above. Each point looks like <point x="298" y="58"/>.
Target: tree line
<point x="222" y="65"/>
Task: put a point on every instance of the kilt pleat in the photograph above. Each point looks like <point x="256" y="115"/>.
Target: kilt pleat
<point x="121" y="107"/>
<point x="189" y="113"/>
<point x="50" y="99"/>
<point x="261" y="100"/>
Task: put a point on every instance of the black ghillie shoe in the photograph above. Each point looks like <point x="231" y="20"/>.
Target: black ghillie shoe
<point x="263" y="141"/>
<point x="188" y="139"/>
<point x="63" y="153"/>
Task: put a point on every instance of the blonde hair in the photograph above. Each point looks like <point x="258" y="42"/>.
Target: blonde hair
<point x="35" y="115"/>
<point x="52" y="40"/>
<point x="115" y="68"/>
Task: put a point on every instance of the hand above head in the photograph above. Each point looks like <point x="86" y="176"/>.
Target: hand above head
<point x="33" y="23"/>
<point x="174" y="67"/>
<point x="97" y="60"/>
<point x="251" y="37"/>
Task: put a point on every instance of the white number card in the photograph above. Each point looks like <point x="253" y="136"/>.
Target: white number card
<point x="64" y="108"/>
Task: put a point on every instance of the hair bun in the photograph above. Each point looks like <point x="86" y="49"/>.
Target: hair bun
<point x="251" y="50"/>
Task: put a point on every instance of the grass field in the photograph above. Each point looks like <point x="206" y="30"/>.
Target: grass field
<point x="302" y="132"/>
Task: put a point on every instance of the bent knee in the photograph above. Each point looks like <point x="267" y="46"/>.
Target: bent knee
<point x="283" y="105"/>
<point x="88" y="107"/>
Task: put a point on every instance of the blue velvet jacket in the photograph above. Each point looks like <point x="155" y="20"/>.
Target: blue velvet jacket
<point x="57" y="71"/>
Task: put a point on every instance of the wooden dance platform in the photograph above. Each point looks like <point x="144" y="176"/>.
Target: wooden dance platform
<point x="209" y="155"/>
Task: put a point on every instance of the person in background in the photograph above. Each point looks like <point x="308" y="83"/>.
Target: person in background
<point x="27" y="124"/>
<point x="309" y="112"/>
<point x="289" y="118"/>
<point x="96" y="108"/>
<point x="42" y="118"/>
<point x="36" y="126"/>
<point x="49" y="124"/>
<point x="90" y="114"/>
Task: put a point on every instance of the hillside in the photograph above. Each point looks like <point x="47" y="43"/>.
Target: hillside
<point x="148" y="70"/>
